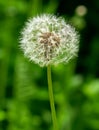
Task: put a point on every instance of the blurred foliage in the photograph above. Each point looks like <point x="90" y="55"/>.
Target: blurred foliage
<point x="24" y="101"/>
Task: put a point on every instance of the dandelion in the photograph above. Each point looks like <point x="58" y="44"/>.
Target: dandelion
<point x="48" y="40"/>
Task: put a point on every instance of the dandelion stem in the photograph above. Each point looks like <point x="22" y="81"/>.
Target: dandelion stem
<point x="51" y="97"/>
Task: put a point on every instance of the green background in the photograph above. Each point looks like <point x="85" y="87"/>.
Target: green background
<point x="24" y="101"/>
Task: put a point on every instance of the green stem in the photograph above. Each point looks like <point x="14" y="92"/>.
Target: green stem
<point x="51" y="97"/>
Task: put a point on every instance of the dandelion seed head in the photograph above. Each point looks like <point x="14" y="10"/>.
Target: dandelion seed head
<point x="47" y="39"/>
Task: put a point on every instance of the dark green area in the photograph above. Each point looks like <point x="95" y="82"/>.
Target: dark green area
<point x="24" y="101"/>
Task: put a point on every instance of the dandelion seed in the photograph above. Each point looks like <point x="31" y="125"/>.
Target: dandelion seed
<point x="49" y="40"/>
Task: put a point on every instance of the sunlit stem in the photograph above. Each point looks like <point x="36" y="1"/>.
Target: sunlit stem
<point x="51" y="97"/>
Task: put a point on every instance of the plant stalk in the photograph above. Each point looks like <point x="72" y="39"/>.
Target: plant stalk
<point x="51" y="97"/>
